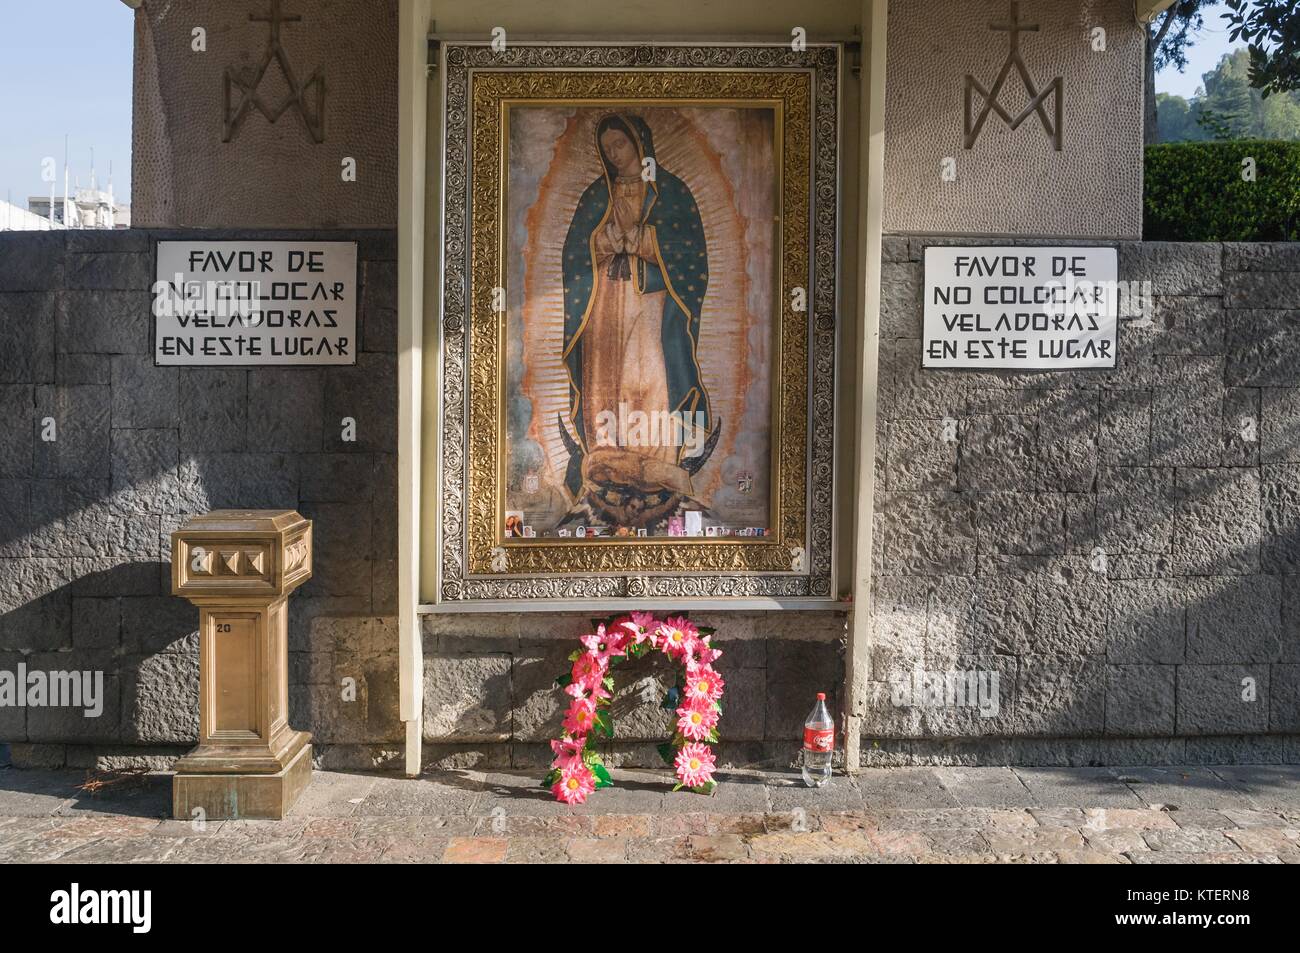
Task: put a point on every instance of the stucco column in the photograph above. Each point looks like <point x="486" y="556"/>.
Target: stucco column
<point x="875" y="14"/>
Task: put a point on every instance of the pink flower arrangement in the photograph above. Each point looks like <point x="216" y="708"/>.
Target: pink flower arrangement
<point x="694" y="765"/>
<point x="578" y="768"/>
<point x="568" y="752"/>
<point x="588" y="672"/>
<point x="642" y="627"/>
<point x="580" y="718"/>
<point x="697" y="720"/>
<point x="604" y="646"/>
<point x="574" y="784"/>
<point x="704" y="684"/>
<point x="704" y="654"/>
<point x="678" y="638"/>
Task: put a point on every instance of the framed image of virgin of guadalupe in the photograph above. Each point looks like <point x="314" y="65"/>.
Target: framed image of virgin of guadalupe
<point x="638" y="321"/>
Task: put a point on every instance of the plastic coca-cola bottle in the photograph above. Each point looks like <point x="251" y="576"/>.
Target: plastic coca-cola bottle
<point x="818" y="744"/>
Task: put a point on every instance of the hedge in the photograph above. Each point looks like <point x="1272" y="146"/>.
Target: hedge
<point x="1195" y="192"/>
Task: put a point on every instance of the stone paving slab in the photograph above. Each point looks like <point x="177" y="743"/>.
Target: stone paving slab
<point x="986" y="787"/>
<point x="1190" y="787"/>
<point x="1267" y="786"/>
<point x="1094" y="787"/>
<point x="887" y="815"/>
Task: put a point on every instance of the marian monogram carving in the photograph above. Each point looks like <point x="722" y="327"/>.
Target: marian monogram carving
<point x="1053" y="91"/>
<point x="241" y="87"/>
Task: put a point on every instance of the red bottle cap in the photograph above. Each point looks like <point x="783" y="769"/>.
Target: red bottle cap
<point x="821" y="696"/>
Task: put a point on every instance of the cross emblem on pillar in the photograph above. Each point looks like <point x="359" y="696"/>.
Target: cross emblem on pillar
<point x="1055" y="90"/>
<point x="240" y="86"/>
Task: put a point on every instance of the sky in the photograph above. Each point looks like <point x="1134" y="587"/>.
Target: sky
<point x="1208" y="48"/>
<point x="65" y="68"/>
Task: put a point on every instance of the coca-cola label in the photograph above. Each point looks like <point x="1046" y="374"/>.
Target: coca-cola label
<point x="819" y="739"/>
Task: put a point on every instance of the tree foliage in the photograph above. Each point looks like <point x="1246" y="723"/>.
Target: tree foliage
<point x="1175" y="33"/>
<point x="1271" y="28"/>
<point x="1168" y="39"/>
<point x="1228" y="107"/>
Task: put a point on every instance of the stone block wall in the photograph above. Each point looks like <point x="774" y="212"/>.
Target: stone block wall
<point x="85" y="545"/>
<point x="490" y="697"/>
<point x="1120" y="546"/>
<point x="85" y="518"/>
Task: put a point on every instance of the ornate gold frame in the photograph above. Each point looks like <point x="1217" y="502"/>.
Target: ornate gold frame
<point x="489" y="94"/>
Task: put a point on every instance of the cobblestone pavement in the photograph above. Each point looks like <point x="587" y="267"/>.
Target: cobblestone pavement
<point x="1239" y="814"/>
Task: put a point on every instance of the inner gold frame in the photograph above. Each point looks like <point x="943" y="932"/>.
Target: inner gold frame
<point x="492" y="95"/>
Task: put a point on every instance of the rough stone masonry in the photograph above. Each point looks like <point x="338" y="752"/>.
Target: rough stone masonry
<point x="1119" y="547"/>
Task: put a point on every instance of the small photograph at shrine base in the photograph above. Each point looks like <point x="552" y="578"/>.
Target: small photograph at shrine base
<point x="863" y="431"/>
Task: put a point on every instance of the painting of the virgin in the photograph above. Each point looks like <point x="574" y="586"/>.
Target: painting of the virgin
<point x="640" y="328"/>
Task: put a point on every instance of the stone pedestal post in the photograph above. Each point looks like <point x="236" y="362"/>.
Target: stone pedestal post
<point x="238" y="567"/>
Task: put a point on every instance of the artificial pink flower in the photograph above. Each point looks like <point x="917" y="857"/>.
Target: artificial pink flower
<point x="588" y="671"/>
<point x="619" y="639"/>
<point x="696" y="720"/>
<point x="694" y="765"/>
<point x="574" y="785"/>
<point x="603" y="645"/>
<point x="704" y="654"/>
<point x="618" y="634"/>
<point x="596" y="692"/>
<point x="678" y="637"/>
<point x="704" y="684"/>
<point x="639" y="627"/>
<point x="568" y="752"/>
<point x="580" y="717"/>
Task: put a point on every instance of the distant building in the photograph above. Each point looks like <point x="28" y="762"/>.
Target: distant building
<point x="75" y="208"/>
<point x="14" y="218"/>
<point x="86" y="208"/>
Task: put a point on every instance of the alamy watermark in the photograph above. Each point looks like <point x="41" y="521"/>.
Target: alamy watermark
<point x="630" y="427"/>
<point x="53" y="689"/>
<point x="74" y="906"/>
<point x="976" y="689"/>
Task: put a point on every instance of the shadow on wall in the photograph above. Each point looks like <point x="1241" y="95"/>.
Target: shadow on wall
<point x="1120" y="547"/>
<point x="143" y="649"/>
<point x="1178" y="474"/>
<point x="490" y="681"/>
<point x="106" y="454"/>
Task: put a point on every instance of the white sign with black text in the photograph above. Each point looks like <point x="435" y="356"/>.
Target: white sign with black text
<point x="1022" y="308"/>
<point x="255" y="303"/>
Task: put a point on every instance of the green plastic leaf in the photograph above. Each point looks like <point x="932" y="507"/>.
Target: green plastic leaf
<point x="603" y="780"/>
<point x="563" y="680"/>
<point x="667" y="752"/>
<point x="551" y="778"/>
